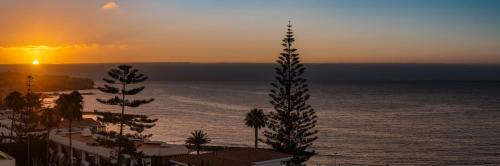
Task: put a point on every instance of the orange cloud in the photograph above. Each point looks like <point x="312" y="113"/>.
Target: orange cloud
<point x="110" y="6"/>
<point x="46" y="47"/>
<point x="72" y="46"/>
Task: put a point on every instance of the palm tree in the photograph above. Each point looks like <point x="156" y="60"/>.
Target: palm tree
<point x="256" y="119"/>
<point x="197" y="139"/>
<point x="70" y="106"/>
<point x="50" y="118"/>
<point x="16" y="102"/>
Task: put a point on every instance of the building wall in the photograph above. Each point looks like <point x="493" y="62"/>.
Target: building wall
<point x="6" y="160"/>
<point x="11" y="162"/>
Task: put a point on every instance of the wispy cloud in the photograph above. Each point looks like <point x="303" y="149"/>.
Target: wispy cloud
<point x="110" y="6"/>
<point x="73" y="46"/>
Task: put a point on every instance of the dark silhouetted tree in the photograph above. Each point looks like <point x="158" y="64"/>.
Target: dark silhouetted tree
<point x="291" y="126"/>
<point x="50" y="119"/>
<point x="27" y="128"/>
<point x="256" y="119"/>
<point x="70" y="107"/>
<point x="16" y="102"/>
<point x="118" y="84"/>
<point x="24" y="126"/>
<point x="197" y="139"/>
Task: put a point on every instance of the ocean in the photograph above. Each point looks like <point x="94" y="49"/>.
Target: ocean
<point x="395" y="114"/>
<point x="360" y="122"/>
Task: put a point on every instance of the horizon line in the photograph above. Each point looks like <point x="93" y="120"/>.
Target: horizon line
<point x="382" y="63"/>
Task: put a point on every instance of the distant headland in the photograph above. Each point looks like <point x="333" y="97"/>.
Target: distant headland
<point x="15" y="81"/>
<point x="260" y="71"/>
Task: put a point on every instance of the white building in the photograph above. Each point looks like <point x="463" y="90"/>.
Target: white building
<point x="86" y="151"/>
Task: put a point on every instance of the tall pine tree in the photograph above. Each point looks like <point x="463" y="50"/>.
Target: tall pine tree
<point x="118" y="84"/>
<point x="26" y="124"/>
<point x="291" y="126"/>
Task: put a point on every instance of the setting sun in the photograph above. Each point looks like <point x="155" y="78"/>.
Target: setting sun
<point x="36" y="62"/>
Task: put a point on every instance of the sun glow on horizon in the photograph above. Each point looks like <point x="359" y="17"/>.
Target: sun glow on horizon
<point x="63" y="32"/>
<point x="36" y="62"/>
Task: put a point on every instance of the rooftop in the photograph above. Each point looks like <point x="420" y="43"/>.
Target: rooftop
<point x="85" y="122"/>
<point x="88" y="143"/>
<point x="232" y="157"/>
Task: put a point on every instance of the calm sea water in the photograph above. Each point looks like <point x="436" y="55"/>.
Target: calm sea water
<point x="364" y="123"/>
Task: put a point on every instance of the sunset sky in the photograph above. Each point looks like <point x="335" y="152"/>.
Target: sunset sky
<point x="336" y="31"/>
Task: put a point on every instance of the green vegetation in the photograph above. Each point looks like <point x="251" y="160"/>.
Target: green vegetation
<point x="33" y="121"/>
<point x="291" y="126"/>
<point x="197" y="139"/>
<point x="70" y="107"/>
<point x="257" y="119"/>
<point x="50" y="118"/>
<point x="118" y="84"/>
<point x="26" y="144"/>
<point x="14" y="101"/>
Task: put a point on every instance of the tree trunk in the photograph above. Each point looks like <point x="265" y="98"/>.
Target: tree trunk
<point x="121" y="124"/>
<point x="47" y="158"/>
<point x="29" y="152"/>
<point x="256" y="137"/>
<point x="12" y="126"/>
<point x="70" y="146"/>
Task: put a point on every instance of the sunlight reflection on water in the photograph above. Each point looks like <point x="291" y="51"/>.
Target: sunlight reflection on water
<point x="380" y="123"/>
